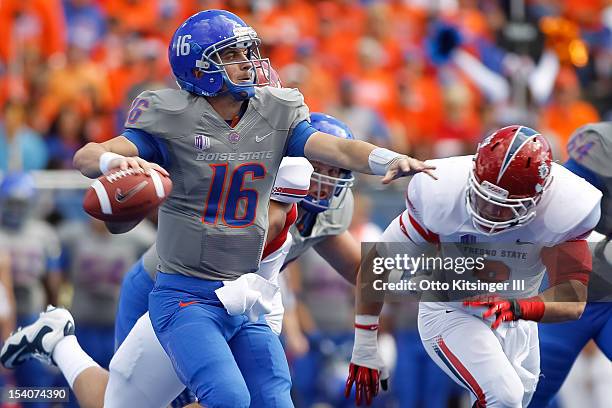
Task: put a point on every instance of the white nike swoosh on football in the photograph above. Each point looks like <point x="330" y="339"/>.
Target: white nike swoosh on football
<point x="260" y="138"/>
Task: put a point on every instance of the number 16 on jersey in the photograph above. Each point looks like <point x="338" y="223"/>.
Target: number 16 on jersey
<point x="235" y="194"/>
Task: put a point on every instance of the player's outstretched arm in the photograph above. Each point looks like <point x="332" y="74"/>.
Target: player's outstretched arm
<point x="363" y="157"/>
<point x="94" y="159"/>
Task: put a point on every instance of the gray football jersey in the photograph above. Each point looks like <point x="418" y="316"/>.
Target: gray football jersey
<point x="97" y="264"/>
<point x="591" y="146"/>
<point x="33" y="250"/>
<point x="328" y="223"/>
<point x="213" y="224"/>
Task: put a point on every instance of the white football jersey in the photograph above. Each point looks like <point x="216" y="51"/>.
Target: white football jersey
<point x="436" y="213"/>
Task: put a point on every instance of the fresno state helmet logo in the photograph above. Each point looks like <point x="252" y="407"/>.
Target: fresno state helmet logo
<point x="544" y="170"/>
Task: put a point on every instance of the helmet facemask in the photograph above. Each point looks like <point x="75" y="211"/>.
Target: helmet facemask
<point x="245" y="38"/>
<point x="318" y="200"/>
<point x="514" y="212"/>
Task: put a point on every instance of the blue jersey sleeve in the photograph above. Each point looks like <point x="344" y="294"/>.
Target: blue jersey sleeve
<point x="149" y="147"/>
<point x="298" y="138"/>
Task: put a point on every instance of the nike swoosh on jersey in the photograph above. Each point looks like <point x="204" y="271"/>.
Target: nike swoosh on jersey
<point x="260" y="138"/>
<point x="121" y="197"/>
<point x="519" y="242"/>
<point x="185" y="304"/>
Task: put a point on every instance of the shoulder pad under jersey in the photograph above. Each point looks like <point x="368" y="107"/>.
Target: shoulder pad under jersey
<point x="286" y="96"/>
<point x="282" y="108"/>
<point x="571" y="206"/>
<point x="150" y="110"/>
<point x="439" y="205"/>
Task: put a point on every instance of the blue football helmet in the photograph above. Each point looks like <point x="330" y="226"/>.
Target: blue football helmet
<point x="317" y="201"/>
<point x="17" y="193"/>
<point x="195" y="54"/>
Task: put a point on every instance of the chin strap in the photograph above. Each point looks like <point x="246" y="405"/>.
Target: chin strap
<point x="239" y="92"/>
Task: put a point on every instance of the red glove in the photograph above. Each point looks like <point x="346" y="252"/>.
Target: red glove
<point x="507" y="310"/>
<point x="366" y="383"/>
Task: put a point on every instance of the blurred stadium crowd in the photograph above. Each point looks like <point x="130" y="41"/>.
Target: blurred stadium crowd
<point x="69" y="69"/>
<point x="428" y="78"/>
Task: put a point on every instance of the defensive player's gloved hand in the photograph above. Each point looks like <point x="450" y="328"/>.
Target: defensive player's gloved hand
<point x="506" y="310"/>
<point x="367" y="370"/>
<point x="407" y="166"/>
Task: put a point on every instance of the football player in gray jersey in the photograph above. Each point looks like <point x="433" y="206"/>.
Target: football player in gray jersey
<point x="221" y="140"/>
<point x="590" y="151"/>
<point x="34" y="252"/>
<point x="323" y="220"/>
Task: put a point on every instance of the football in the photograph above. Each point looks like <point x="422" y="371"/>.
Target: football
<point x="126" y="195"/>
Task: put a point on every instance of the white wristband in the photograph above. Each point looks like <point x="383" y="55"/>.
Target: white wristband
<point x="365" y="347"/>
<point x="366" y="320"/>
<point x="380" y="159"/>
<point x="106" y="158"/>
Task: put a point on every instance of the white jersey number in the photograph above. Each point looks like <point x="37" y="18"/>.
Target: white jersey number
<point x="182" y="45"/>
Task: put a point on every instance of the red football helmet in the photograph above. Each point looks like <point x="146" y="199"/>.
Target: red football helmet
<point x="511" y="171"/>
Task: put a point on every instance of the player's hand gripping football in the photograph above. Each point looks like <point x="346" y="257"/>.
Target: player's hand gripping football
<point x="137" y="164"/>
<point x="507" y="310"/>
<point x="407" y="166"/>
<point x="367" y="370"/>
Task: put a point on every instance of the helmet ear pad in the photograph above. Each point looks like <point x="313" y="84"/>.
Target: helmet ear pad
<point x="215" y="82"/>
